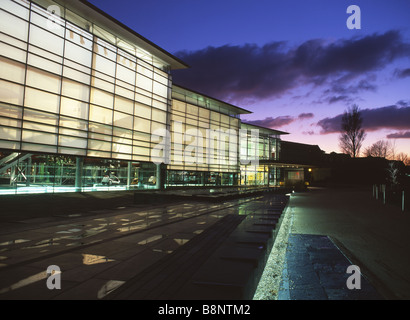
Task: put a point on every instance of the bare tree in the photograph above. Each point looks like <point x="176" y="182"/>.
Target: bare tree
<point x="352" y="135"/>
<point x="404" y="158"/>
<point x="381" y="148"/>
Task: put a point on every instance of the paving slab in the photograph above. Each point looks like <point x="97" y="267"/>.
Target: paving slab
<point x="316" y="269"/>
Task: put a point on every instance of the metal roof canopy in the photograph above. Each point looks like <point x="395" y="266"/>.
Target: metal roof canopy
<point x="264" y="130"/>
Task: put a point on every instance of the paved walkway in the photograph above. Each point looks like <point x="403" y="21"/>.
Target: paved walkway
<point x="137" y="252"/>
<point x="326" y="231"/>
<point x="315" y="269"/>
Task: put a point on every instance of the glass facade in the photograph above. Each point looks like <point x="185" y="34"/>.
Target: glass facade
<point x="265" y="148"/>
<point x="78" y="103"/>
<point x="44" y="173"/>
<point x="204" y="140"/>
<point x="67" y="89"/>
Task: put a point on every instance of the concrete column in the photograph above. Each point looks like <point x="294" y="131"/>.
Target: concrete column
<point x="28" y="172"/>
<point x="129" y="169"/>
<point x="158" y="176"/>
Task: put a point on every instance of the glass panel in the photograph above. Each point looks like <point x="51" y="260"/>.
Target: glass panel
<point x="125" y="74"/>
<point x="72" y="142"/>
<point x="101" y="128"/>
<point x="141" y="151"/>
<point x="15" y="8"/>
<point x="159" y="105"/>
<point x="215" y="116"/>
<point x="99" y="145"/>
<point x="124" y="92"/>
<point x="99" y="114"/>
<point x="9" y="133"/>
<point x="155" y="126"/>
<point x="39" y="137"/>
<point x="11" y="70"/>
<point x="10" y="111"/>
<point x="46" y="40"/>
<point x="121" y="148"/>
<point x="39" y="116"/>
<point x="76" y="75"/>
<point x="75" y="90"/>
<point x="121" y="140"/>
<point x="144" y="82"/>
<point x="38" y="148"/>
<point x="44" y="64"/>
<point x="39" y="127"/>
<point x="141" y="125"/>
<point x="101" y="98"/>
<point x="12" y="52"/>
<point x="11" y="93"/>
<point x="41" y="100"/>
<point x="77" y="53"/>
<point x="74" y="108"/>
<point x="159" y="115"/>
<point x="73" y="123"/>
<point x="98" y="136"/>
<point x="160" y="89"/>
<point x="45" y="54"/>
<point x="123" y="120"/>
<point x="122" y="135"/>
<point x="104" y="65"/>
<point x="71" y="151"/>
<point x="125" y="105"/>
<point x="74" y="133"/>
<point x="101" y="154"/>
<point x="178" y="105"/>
<point x="142" y="111"/>
<point x="142" y="98"/>
<point x="43" y="80"/>
<point x="8" y="25"/>
<point x="161" y="77"/>
<point x="102" y="84"/>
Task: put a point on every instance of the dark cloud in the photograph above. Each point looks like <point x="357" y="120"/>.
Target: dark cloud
<point x="309" y="133"/>
<point x="399" y="135"/>
<point x="392" y="117"/>
<point x="272" y="123"/>
<point x="281" y="121"/>
<point x="306" y="115"/>
<point x="250" y="71"/>
<point x="402" y="73"/>
<point x="338" y="98"/>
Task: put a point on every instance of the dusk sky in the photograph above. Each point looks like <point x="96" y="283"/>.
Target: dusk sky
<point x="295" y="64"/>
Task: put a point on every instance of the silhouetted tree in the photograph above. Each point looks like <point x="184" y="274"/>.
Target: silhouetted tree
<point x="352" y="135"/>
<point x="381" y="148"/>
<point x="403" y="157"/>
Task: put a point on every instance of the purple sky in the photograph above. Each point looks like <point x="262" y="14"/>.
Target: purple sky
<point x="294" y="63"/>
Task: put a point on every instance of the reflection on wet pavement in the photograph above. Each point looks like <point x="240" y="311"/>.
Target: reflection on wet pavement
<point x="109" y="287"/>
<point x="24" y="282"/>
<point x="90" y="259"/>
<point x="141" y="236"/>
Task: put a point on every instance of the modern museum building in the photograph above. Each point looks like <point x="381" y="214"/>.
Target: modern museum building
<point x="87" y="104"/>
